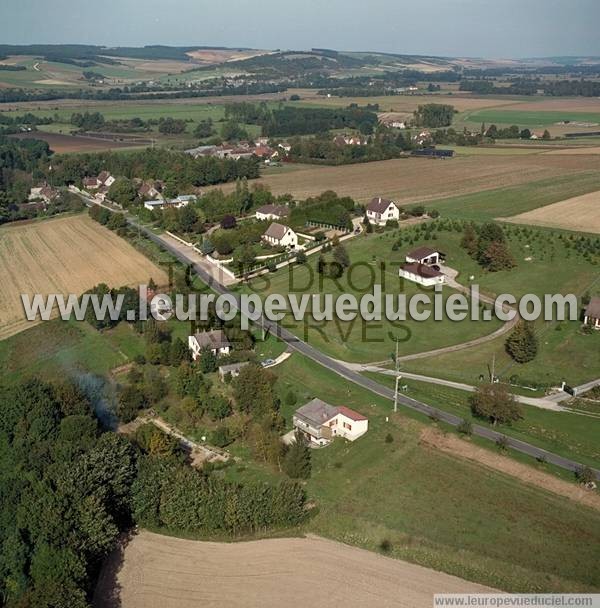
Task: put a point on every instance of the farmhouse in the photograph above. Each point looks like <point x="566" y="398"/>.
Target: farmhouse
<point x="216" y="341"/>
<point x="424" y="255"/>
<point x="233" y="369"/>
<point x="320" y="422"/>
<point x="380" y="210"/>
<point x="104" y="178"/>
<point x="150" y="190"/>
<point x="278" y="234"/>
<point x="272" y="212"/>
<point x="591" y="315"/>
<point x="421" y="274"/>
<point x="43" y="193"/>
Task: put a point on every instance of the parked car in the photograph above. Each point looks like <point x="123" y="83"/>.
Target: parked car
<point x="267" y="362"/>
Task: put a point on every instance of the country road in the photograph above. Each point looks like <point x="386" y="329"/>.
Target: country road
<point x="355" y="377"/>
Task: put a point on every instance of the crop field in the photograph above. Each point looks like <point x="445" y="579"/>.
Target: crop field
<point x="66" y="255"/>
<point x="164" y="572"/>
<point x="411" y="180"/>
<point x="580" y="213"/>
<point x="61" y="143"/>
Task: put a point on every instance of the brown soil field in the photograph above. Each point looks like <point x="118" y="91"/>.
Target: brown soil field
<point x="581" y="213"/>
<point x="452" y="444"/>
<point x="60" y="143"/>
<point x="63" y="255"/>
<point x="155" y="571"/>
<point x="417" y="179"/>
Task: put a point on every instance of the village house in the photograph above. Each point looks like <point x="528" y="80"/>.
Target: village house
<point x="278" y="234"/>
<point x="272" y="212"/>
<point x="216" y="341"/>
<point x="43" y="193"/>
<point x="380" y="210"/>
<point x="150" y="190"/>
<point x="421" y="274"/>
<point x="424" y="255"/>
<point x="183" y="200"/>
<point x="591" y="315"/>
<point x="319" y="422"/>
<point x="233" y="369"/>
<point x="349" y="140"/>
<point x="104" y="178"/>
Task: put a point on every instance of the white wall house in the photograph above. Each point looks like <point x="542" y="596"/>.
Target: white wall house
<point x="591" y="316"/>
<point x="216" y="341"/>
<point x="423" y="255"/>
<point x="278" y="234"/>
<point x="421" y="274"/>
<point x="320" y="422"/>
<point x="380" y="210"/>
<point x="272" y="212"/>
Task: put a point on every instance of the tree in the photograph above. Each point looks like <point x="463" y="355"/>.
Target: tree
<point x="207" y="361"/>
<point x="522" y="343"/>
<point x="228" y="222"/>
<point x="493" y="402"/>
<point x="131" y="401"/>
<point x="187" y="218"/>
<point x="204" y="129"/>
<point x="497" y="257"/>
<point x="232" y="131"/>
<point x="253" y="391"/>
<point x="546" y="135"/>
<point x="123" y="192"/>
<point x="296" y="462"/>
<point x="469" y="239"/>
<point x="301" y="257"/>
<point x="340" y="255"/>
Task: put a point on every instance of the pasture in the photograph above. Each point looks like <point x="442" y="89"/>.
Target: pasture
<point x="65" y="255"/>
<point x="62" y="144"/>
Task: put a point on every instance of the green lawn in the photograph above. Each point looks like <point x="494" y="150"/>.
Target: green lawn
<point x="565" y="433"/>
<point x="434" y="509"/>
<point x="374" y="263"/>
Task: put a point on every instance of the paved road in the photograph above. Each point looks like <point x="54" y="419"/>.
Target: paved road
<point x="367" y="383"/>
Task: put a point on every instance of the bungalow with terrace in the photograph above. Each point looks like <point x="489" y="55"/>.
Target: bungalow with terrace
<point x="380" y="210"/>
<point x="216" y="341"/>
<point x="280" y="235"/>
<point x="591" y="315"/>
<point x="272" y="212"/>
<point x="320" y="422"/>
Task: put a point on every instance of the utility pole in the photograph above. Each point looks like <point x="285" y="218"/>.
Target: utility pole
<point x="397" y="379"/>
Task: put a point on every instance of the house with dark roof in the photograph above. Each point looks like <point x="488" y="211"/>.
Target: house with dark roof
<point x="216" y="341"/>
<point x="422" y="274"/>
<point x="280" y="235"/>
<point x="591" y="315"/>
<point x="424" y="255"/>
<point x="380" y="210"/>
<point x="272" y="212"/>
<point x="319" y="422"/>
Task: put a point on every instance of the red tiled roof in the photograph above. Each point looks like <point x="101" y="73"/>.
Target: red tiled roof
<point x="346" y="411"/>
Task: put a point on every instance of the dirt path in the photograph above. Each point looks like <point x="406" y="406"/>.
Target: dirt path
<point x="165" y="572"/>
<point x="465" y="449"/>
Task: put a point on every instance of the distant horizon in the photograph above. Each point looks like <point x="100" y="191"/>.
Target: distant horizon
<point x="506" y="29"/>
<point x="300" y="50"/>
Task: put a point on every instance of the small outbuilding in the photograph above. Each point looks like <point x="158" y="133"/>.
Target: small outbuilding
<point x="591" y="315"/>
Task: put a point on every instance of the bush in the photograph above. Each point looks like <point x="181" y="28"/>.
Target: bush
<point x="221" y="437"/>
<point x="389" y="438"/>
<point x="385" y="545"/>
<point x="585" y="475"/>
<point x="465" y="428"/>
<point x="502" y="443"/>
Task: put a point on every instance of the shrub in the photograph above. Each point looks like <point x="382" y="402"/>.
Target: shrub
<point x="465" y="428"/>
<point x="389" y="438"/>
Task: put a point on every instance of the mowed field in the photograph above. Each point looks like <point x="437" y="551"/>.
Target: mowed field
<point x="164" y="572"/>
<point x="66" y="255"/>
<point x="581" y="213"/>
<point x="412" y="179"/>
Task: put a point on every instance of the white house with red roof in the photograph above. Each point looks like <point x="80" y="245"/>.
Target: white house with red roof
<point x="320" y="423"/>
<point x="380" y="210"/>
